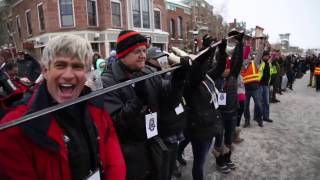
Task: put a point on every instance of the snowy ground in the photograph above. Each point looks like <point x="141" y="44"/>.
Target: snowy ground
<point x="288" y="148"/>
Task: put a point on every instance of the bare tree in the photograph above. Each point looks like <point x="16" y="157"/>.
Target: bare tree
<point x="6" y="27"/>
<point x="5" y="34"/>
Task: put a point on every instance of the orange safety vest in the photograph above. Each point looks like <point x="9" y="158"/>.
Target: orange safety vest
<point x="251" y="74"/>
<point x="317" y="71"/>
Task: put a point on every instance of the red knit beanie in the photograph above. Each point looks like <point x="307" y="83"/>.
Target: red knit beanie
<point x="129" y="40"/>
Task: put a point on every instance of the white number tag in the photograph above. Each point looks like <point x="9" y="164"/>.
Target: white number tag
<point x="94" y="176"/>
<point x="179" y="109"/>
<point x="151" y="125"/>
<point x="222" y="99"/>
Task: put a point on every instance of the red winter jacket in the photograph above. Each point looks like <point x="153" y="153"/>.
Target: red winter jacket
<point x="17" y="94"/>
<point x="36" y="150"/>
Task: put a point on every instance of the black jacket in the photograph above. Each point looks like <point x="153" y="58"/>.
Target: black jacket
<point x="128" y="110"/>
<point x="29" y="67"/>
<point x="204" y="121"/>
<point x="172" y="122"/>
<point x="230" y="84"/>
<point x="266" y="75"/>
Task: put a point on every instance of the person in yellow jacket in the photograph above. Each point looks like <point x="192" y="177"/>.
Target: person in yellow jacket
<point x="275" y="77"/>
<point x="265" y="72"/>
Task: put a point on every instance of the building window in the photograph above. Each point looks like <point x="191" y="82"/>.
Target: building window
<point x="41" y="17"/>
<point x="157" y="19"/>
<point x="180" y="27"/>
<point x="18" y="22"/>
<point x="95" y="47"/>
<point x="116" y="13"/>
<point x="141" y="12"/>
<point x="92" y="12"/>
<point x="113" y="45"/>
<point x="66" y="13"/>
<point x="9" y="26"/>
<point x="172" y="28"/>
<point x="28" y="20"/>
<point x="136" y="13"/>
<point x="145" y="14"/>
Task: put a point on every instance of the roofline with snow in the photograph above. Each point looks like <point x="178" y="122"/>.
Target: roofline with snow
<point x="178" y="4"/>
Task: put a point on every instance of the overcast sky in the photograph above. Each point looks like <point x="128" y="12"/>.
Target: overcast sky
<point x="300" y="18"/>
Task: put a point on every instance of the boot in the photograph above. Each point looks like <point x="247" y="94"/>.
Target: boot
<point x="290" y="87"/>
<point x="268" y="120"/>
<point x="182" y="161"/>
<point x="246" y="123"/>
<point x="229" y="163"/>
<point x="236" y="137"/>
<point x="176" y="171"/>
<point x="260" y="122"/>
<point x="220" y="161"/>
<point x="274" y="100"/>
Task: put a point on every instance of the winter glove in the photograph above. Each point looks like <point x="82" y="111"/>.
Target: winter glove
<point x="207" y="41"/>
<point x="239" y="37"/>
<point x="141" y="90"/>
<point x="186" y="62"/>
<point x="180" y="74"/>
<point x="223" y="45"/>
<point x="139" y="87"/>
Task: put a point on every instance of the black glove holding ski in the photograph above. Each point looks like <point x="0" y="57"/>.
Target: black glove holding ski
<point x="239" y="37"/>
<point x="140" y="87"/>
<point x="186" y="62"/>
<point x="223" y="45"/>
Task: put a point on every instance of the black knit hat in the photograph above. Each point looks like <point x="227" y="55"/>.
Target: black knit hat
<point x="129" y="40"/>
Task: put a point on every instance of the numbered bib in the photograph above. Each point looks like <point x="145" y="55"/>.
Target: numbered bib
<point x="222" y="100"/>
<point x="94" y="176"/>
<point x="151" y="125"/>
<point x="179" y="109"/>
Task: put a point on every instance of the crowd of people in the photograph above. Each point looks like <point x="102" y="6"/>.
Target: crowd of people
<point x="140" y="131"/>
<point x="16" y="77"/>
<point x="313" y="63"/>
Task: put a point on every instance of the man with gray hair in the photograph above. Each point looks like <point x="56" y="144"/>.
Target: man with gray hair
<point x="77" y="142"/>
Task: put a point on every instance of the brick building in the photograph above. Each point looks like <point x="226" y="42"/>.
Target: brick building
<point x="202" y="15"/>
<point x="197" y="20"/>
<point x="32" y="23"/>
<point x="179" y="24"/>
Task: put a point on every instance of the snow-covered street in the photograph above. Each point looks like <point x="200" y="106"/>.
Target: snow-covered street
<point x="288" y="148"/>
